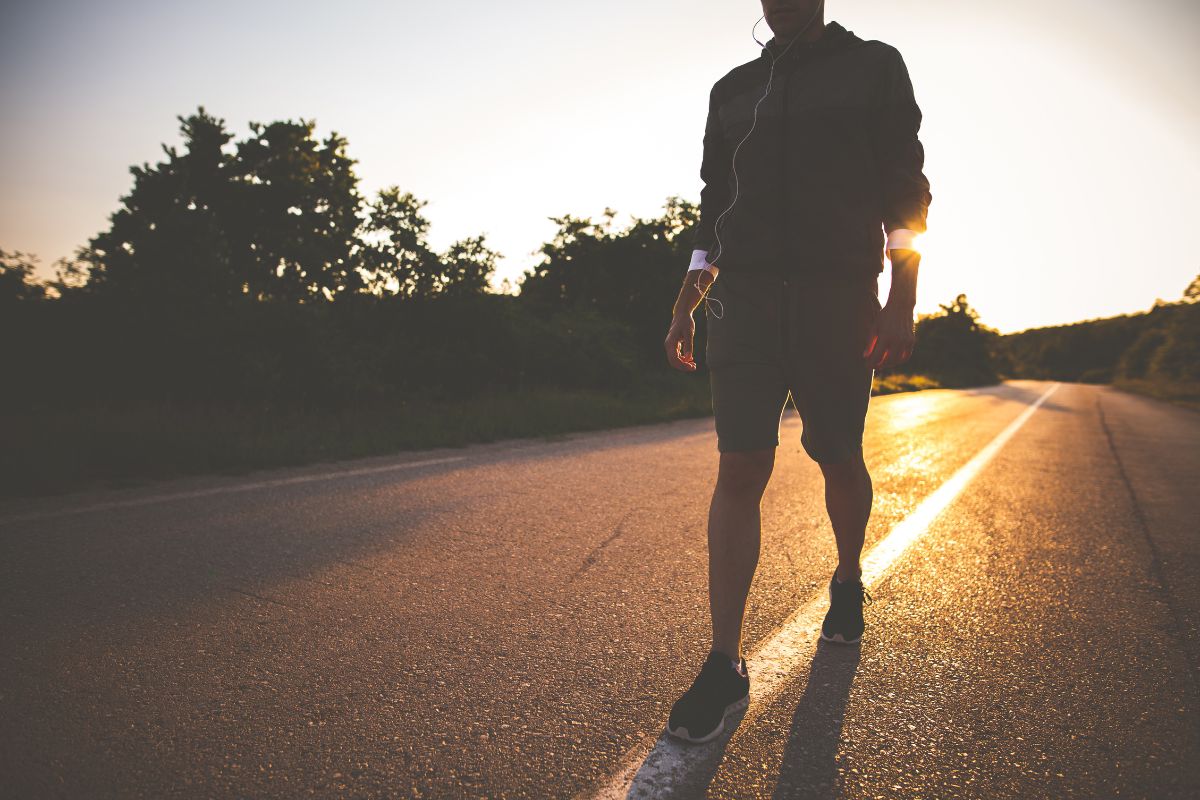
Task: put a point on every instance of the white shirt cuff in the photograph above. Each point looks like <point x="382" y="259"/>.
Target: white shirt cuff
<point x="700" y="261"/>
<point x="900" y="239"/>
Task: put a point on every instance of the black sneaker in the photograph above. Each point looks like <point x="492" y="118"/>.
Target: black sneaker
<point x="844" y="621"/>
<point x="719" y="690"/>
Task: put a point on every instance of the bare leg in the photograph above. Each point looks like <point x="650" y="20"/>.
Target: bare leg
<point x="848" y="497"/>
<point x="734" y="534"/>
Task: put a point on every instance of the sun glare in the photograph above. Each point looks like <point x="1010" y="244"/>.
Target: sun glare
<point x="911" y="410"/>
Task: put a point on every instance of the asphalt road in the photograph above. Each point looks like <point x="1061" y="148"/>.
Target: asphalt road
<point x="515" y="619"/>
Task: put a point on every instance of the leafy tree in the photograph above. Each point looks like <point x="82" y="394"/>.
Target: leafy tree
<point x="631" y="275"/>
<point x="588" y="263"/>
<point x="398" y="260"/>
<point x="1160" y="345"/>
<point x="1168" y="349"/>
<point x="1135" y="360"/>
<point x="167" y="241"/>
<point x="952" y="347"/>
<point x="1080" y="351"/>
<point x="1178" y="359"/>
<point x="467" y="267"/>
<point x="295" y="219"/>
<point x="277" y="216"/>
<point x="17" y="279"/>
<point x="72" y="275"/>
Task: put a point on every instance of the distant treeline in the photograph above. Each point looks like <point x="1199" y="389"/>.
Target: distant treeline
<point x="253" y="274"/>
<point x="1160" y="347"/>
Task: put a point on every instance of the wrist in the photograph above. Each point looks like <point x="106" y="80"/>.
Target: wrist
<point x="685" y="304"/>
<point x="700" y="261"/>
<point x="681" y="314"/>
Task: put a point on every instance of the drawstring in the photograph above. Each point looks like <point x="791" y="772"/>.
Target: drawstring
<point x="709" y="300"/>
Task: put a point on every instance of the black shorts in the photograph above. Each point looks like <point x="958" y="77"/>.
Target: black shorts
<point x="778" y="336"/>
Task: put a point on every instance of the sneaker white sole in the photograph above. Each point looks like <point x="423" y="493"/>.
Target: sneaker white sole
<point x="837" y="637"/>
<point x="682" y="733"/>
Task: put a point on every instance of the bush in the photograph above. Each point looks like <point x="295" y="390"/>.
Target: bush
<point x="892" y="384"/>
<point x="952" y="348"/>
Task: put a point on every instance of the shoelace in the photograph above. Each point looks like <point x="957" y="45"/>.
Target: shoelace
<point x="867" y="599"/>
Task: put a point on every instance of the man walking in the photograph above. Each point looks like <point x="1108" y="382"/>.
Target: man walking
<point x="811" y="156"/>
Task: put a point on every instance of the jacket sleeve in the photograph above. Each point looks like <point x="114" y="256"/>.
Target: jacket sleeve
<point x="898" y="151"/>
<point x="714" y="172"/>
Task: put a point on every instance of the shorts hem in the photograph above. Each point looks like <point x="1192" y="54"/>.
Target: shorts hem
<point x="836" y="457"/>
<point x="741" y="448"/>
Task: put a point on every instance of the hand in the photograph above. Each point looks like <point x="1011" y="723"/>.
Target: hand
<point x="892" y="339"/>
<point x="679" y="343"/>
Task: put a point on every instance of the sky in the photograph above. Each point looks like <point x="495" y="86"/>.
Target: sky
<point x="1060" y="138"/>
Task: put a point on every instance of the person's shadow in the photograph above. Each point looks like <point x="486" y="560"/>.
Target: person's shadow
<point x="676" y="769"/>
<point x="808" y="768"/>
<point x="809" y="764"/>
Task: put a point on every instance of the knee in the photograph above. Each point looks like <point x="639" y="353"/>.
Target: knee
<point x="745" y="473"/>
<point x="848" y="464"/>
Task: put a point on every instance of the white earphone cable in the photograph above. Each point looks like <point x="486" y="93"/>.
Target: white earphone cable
<point x="733" y="159"/>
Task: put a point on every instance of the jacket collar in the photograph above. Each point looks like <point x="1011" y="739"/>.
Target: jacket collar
<point x="834" y="36"/>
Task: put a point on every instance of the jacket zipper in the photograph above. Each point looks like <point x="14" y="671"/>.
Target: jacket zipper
<point x="783" y="146"/>
<point x="785" y="296"/>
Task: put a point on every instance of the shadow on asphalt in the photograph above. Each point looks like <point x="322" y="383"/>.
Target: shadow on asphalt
<point x="809" y="764"/>
<point x="1019" y="393"/>
<point x="676" y="769"/>
<point x="808" y="768"/>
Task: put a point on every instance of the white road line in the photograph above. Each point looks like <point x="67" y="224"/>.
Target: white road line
<point x="659" y="768"/>
<point x="239" y="487"/>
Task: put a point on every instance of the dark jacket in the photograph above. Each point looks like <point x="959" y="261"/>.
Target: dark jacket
<point x="833" y="161"/>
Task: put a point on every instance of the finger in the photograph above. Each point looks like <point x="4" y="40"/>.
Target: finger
<point x="881" y="358"/>
<point x="683" y="363"/>
<point x="878" y="349"/>
<point x="681" y="360"/>
<point x="871" y="342"/>
<point x="672" y="348"/>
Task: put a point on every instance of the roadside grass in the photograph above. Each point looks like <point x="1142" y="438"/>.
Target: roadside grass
<point x="1182" y="393"/>
<point x="56" y="451"/>
<point x="891" y="384"/>
<point x="50" y="451"/>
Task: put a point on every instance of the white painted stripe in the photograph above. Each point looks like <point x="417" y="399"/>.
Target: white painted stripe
<point x="238" y="487"/>
<point x="658" y="768"/>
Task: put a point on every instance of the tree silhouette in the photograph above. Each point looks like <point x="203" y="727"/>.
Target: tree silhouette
<point x="277" y="216"/>
<point x="467" y="267"/>
<point x="1168" y="349"/>
<point x="631" y="275"/>
<point x="168" y="240"/>
<point x="296" y="204"/>
<point x="398" y="260"/>
<point x="953" y="347"/>
<point x="17" y="281"/>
